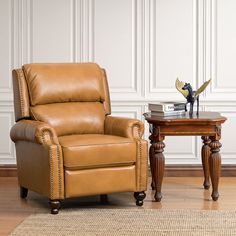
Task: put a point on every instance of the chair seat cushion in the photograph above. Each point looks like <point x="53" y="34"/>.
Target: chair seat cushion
<point x="97" y="150"/>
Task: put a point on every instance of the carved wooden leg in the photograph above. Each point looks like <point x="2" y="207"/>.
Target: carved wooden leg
<point x="159" y="165"/>
<point x="139" y="196"/>
<point x="151" y="156"/>
<point x="55" y="206"/>
<point x="206" y="151"/>
<point x="23" y="192"/>
<point x="215" y="166"/>
<point x="104" y="199"/>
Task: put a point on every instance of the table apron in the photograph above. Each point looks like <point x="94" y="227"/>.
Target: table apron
<point x="203" y="130"/>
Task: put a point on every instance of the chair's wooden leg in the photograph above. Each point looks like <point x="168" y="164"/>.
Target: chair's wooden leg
<point x="55" y="206"/>
<point x="206" y="151"/>
<point x="139" y="196"/>
<point x="23" y="192"/>
<point x="104" y="199"/>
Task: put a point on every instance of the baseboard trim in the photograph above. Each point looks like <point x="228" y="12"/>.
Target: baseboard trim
<point x="8" y="170"/>
<point x="170" y="170"/>
<point x="196" y="170"/>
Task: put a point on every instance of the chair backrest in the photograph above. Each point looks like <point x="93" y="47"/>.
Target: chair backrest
<point x="71" y="97"/>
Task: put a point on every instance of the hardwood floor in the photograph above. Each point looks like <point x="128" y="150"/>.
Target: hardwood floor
<point x="178" y="193"/>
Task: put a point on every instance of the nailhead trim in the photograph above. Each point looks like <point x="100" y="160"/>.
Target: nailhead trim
<point x="51" y="174"/>
<point x="59" y="173"/>
<point x="20" y="75"/>
<point x="48" y="131"/>
<point x="140" y="149"/>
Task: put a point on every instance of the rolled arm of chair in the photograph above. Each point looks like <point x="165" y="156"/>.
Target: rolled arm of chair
<point x="125" y="127"/>
<point x="34" y="131"/>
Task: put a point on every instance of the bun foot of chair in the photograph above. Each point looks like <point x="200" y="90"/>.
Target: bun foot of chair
<point x="23" y="192"/>
<point x="104" y="199"/>
<point x="139" y="196"/>
<point x="55" y="206"/>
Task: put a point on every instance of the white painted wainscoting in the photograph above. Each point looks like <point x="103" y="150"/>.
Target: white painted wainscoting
<point x="143" y="44"/>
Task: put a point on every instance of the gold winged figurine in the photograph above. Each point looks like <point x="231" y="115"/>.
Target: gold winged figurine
<point x="189" y="94"/>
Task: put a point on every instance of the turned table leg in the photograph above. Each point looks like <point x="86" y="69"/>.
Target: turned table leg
<point x="158" y="167"/>
<point x="215" y="166"/>
<point x="151" y="156"/>
<point x="206" y="151"/>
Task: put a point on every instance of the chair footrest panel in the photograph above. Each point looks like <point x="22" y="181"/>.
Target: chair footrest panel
<point x="99" y="181"/>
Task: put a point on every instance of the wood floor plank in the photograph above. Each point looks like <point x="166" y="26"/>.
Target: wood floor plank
<point x="178" y="193"/>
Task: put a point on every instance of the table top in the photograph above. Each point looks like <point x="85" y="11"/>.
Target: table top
<point x="202" y="118"/>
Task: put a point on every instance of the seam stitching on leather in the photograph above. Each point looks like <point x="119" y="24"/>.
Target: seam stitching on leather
<point x="139" y="183"/>
<point x="102" y="144"/>
<point x="43" y="136"/>
<point x="19" y="74"/>
<point x="59" y="173"/>
<point x="140" y="157"/>
<point x="104" y="164"/>
<point x="51" y="173"/>
<point x="47" y="131"/>
<point x="32" y="113"/>
<point x="138" y="128"/>
<point x="51" y="165"/>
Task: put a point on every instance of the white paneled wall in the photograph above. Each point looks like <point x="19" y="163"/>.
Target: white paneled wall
<point x="143" y="44"/>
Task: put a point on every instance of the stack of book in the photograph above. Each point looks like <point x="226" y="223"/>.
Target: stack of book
<point x="167" y="109"/>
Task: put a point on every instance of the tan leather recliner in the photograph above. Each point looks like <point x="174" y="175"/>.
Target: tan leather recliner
<point x="67" y="145"/>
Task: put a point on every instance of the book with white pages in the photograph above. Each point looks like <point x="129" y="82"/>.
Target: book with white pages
<point x="169" y="113"/>
<point x="167" y="106"/>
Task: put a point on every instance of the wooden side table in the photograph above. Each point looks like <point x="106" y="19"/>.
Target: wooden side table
<point x="207" y="125"/>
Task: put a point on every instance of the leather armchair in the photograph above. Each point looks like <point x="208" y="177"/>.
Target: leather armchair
<point x="67" y="144"/>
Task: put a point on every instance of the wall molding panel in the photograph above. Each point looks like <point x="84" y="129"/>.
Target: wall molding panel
<point x="6" y="57"/>
<point x="126" y="110"/>
<point x="7" y="152"/>
<point x="21" y="32"/>
<point x="228" y="149"/>
<point x="155" y="89"/>
<point x="83" y="30"/>
<point x="218" y="19"/>
<point x="131" y="88"/>
<point x="143" y="45"/>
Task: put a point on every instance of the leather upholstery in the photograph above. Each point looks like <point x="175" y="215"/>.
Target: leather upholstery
<point x="72" y="117"/>
<point x="141" y="165"/>
<point x="83" y="83"/>
<point x="21" y="97"/>
<point x="97" y="151"/>
<point x="33" y="131"/>
<point x="125" y="127"/>
<point x="67" y="145"/>
<point x="106" y="103"/>
<point x="40" y="168"/>
<point x="105" y="180"/>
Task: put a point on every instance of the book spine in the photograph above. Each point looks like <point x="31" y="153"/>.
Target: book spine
<point x="174" y="107"/>
<point x="167" y="107"/>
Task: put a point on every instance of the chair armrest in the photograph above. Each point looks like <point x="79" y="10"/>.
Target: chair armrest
<point x="34" y="131"/>
<point x="125" y="127"/>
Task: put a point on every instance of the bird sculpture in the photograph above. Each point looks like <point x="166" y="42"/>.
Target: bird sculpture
<point x="189" y="94"/>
